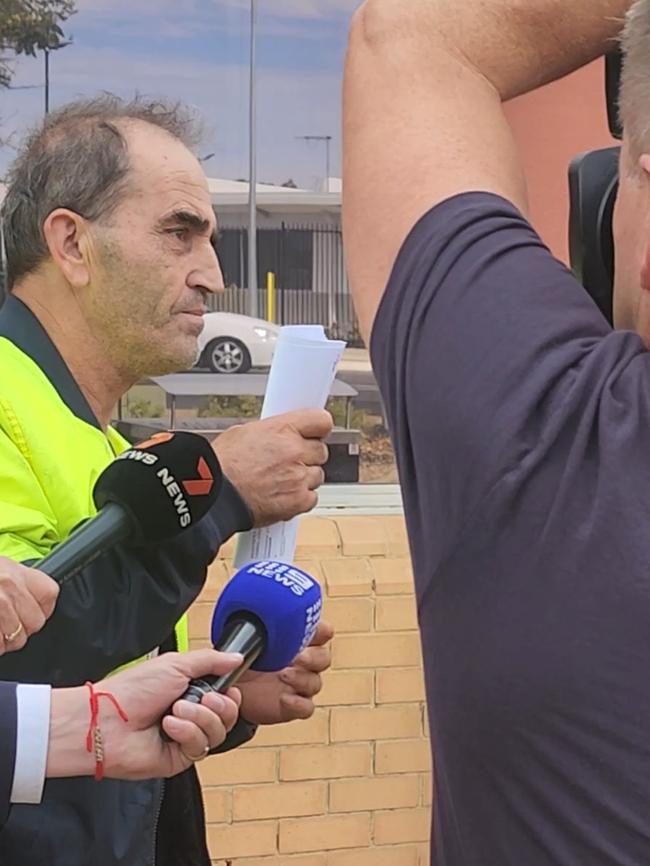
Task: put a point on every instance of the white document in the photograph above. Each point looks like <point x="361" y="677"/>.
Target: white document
<point x="303" y="370"/>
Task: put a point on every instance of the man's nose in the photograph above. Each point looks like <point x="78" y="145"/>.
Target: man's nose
<point x="207" y="276"/>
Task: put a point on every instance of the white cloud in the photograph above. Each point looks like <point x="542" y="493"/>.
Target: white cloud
<point x="319" y="9"/>
<point x="290" y="105"/>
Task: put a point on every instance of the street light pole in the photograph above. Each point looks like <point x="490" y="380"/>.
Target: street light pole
<point x="328" y="142"/>
<point x="252" y="194"/>
<point x="46" y="52"/>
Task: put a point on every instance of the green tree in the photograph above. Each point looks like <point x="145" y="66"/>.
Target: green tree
<point x="28" y="26"/>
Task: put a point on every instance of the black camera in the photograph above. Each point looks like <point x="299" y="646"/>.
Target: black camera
<point x="593" y="185"/>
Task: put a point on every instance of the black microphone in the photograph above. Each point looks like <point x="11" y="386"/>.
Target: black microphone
<point x="149" y="494"/>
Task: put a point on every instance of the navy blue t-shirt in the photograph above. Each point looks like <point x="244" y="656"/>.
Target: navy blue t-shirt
<point x="521" y="423"/>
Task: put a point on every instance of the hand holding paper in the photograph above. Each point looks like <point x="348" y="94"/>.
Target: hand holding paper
<point x="302" y="373"/>
<point x="276" y="464"/>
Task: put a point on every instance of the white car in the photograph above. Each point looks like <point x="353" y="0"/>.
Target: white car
<point x="230" y="343"/>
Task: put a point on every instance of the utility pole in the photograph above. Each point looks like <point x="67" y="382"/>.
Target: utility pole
<point x="328" y="142"/>
<point x="46" y="52"/>
<point x="252" y="193"/>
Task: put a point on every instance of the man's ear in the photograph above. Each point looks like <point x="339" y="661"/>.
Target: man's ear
<point x="67" y="238"/>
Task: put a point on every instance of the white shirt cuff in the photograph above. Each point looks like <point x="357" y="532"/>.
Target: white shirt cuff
<point x="33" y="735"/>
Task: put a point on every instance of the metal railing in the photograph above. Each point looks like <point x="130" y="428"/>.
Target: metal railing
<point x="308" y="265"/>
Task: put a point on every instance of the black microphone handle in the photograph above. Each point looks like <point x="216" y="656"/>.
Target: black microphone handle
<point x="242" y="635"/>
<point x="110" y="526"/>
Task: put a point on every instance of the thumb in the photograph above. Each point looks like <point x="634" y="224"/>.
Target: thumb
<point x="310" y="423"/>
<point x="199" y="663"/>
<point x="323" y="634"/>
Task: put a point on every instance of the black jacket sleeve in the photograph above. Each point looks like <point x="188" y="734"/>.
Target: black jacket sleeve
<point x="8" y="735"/>
<point x="126" y="602"/>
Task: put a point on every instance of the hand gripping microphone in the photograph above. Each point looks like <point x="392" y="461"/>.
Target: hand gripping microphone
<point x="268" y="612"/>
<point x="148" y="494"/>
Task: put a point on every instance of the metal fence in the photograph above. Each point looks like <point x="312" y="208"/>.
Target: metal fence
<point x="309" y="268"/>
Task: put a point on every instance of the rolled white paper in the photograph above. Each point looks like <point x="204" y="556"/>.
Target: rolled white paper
<point x="303" y="370"/>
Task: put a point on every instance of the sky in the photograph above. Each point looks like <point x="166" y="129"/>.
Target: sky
<point x="198" y="51"/>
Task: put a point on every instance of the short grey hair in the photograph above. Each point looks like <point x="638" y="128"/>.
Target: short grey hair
<point x="635" y="82"/>
<point x="77" y="159"/>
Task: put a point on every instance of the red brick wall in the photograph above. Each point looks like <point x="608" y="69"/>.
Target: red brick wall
<point x="551" y="126"/>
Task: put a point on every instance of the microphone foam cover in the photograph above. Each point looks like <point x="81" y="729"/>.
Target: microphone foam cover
<point x="166" y="484"/>
<point x="285" y="599"/>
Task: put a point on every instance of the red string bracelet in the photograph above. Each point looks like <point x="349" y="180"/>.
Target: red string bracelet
<point x="94" y="740"/>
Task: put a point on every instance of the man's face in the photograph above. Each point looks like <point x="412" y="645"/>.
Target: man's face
<point x="631" y="222"/>
<point x="152" y="261"/>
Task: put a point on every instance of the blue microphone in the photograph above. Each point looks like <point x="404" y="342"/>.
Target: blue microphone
<point x="268" y="612"/>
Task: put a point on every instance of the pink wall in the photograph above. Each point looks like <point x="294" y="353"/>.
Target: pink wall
<point x="551" y="126"/>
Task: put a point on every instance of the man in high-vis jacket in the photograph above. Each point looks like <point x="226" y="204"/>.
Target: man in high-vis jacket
<point x="109" y="238"/>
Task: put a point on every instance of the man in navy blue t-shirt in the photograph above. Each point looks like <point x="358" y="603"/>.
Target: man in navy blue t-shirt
<point x="521" y="422"/>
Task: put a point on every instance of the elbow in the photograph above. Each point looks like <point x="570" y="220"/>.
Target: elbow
<point x="386" y="26"/>
<point x="374" y="23"/>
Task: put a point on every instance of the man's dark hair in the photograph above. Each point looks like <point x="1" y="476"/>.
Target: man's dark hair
<point x="77" y="159"/>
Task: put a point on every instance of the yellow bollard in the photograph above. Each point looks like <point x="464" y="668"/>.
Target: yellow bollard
<point x="270" y="296"/>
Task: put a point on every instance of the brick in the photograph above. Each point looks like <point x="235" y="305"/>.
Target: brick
<point x="349" y="614"/>
<point x="360" y="795"/>
<point x="312" y="567"/>
<point x="398" y="649"/>
<point x="318" y="537"/>
<point x="392" y="856"/>
<point x="216" y="580"/>
<point x="401" y="721"/>
<point x="407" y="756"/>
<point x="362" y="536"/>
<point x="396" y="613"/>
<point x="313" y="730"/>
<point x="402" y="825"/>
<point x="325" y="762"/>
<point x="398" y="542"/>
<point x="424" y="854"/>
<point x="250" y="839"/>
<point x="325" y="833"/>
<point x="426" y="786"/>
<point x="239" y="767"/>
<point x="300" y="860"/>
<point x="345" y="577"/>
<point x="200" y="620"/>
<point x="289" y="800"/>
<point x="399" y="685"/>
<point x="347" y="687"/>
<point x="393" y="576"/>
<point x="218" y="805"/>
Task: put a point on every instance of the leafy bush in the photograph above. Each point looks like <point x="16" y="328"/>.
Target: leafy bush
<point x="230" y="407"/>
<point x="141" y="408"/>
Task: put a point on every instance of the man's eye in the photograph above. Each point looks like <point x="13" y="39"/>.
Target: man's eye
<point x="181" y="233"/>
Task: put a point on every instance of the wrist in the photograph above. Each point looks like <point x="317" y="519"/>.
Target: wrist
<point x="69" y="717"/>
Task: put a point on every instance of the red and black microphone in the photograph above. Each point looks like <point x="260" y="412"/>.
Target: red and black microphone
<point x="148" y="494"/>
